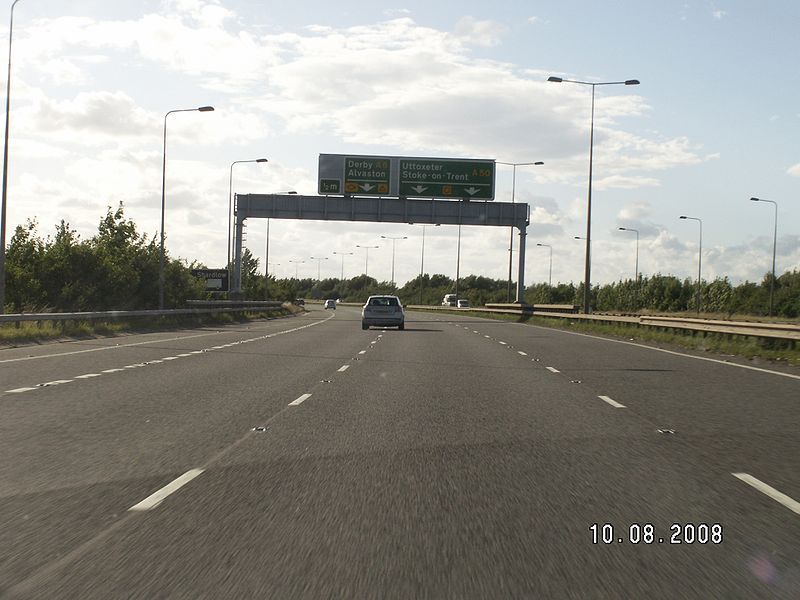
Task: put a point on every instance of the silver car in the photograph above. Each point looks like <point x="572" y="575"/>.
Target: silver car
<point x="383" y="311"/>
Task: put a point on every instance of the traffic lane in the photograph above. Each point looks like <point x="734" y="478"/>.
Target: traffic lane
<point x="101" y="444"/>
<point x="158" y="411"/>
<point x="55" y="362"/>
<point x="339" y="496"/>
<point x="743" y="418"/>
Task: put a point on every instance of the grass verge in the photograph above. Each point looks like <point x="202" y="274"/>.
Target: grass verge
<point x="31" y="332"/>
<point x="748" y="347"/>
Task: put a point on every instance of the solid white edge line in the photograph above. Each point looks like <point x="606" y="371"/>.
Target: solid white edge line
<point x="552" y="369"/>
<point x="300" y="400"/>
<point x="770" y="491"/>
<point x="714" y="360"/>
<point x="343" y="368"/>
<point x="112" y="370"/>
<point x="611" y="401"/>
<point x="156" y="498"/>
<point x="87" y="376"/>
<point x="20" y="390"/>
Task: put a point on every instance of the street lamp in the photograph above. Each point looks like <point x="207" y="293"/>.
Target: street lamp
<point x="163" y="196"/>
<point x="366" y="260"/>
<point x="699" y="260"/>
<point x="319" y="262"/>
<point x="230" y="203"/>
<point x="550" y="276"/>
<point x="394" y="239"/>
<point x="774" y="248"/>
<point x="587" y="275"/>
<point x="5" y="173"/>
<point x="636" y="231"/>
<point x="513" y="190"/>
<point x="296" y="262"/>
<point x="343" y="254"/>
<point x="422" y="261"/>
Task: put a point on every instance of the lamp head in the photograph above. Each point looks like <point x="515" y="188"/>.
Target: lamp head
<point x="206" y="108"/>
<point x="555" y="79"/>
<point x="632" y="82"/>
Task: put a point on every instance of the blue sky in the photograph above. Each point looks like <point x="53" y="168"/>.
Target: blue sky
<point x="714" y="122"/>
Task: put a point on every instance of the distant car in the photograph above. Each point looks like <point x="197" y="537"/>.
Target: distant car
<point x="300" y="302"/>
<point x="449" y="300"/>
<point x="463" y="304"/>
<point x="330" y="304"/>
<point x="383" y="311"/>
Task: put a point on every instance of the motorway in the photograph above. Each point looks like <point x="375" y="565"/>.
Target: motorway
<point x="461" y="458"/>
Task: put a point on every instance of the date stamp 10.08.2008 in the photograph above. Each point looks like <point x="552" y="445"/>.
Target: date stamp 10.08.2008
<point x="647" y="533"/>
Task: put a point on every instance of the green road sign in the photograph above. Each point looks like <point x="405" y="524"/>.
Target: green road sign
<point x="447" y="178"/>
<point x="367" y="175"/>
<point x="470" y="179"/>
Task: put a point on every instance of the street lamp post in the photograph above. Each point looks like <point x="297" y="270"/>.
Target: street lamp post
<point x="366" y="260"/>
<point x="774" y="248"/>
<point x="230" y="204"/>
<point x="266" y="262"/>
<point x="394" y="239"/>
<point x="319" y="262"/>
<point x="699" y="260"/>
<point x="550" y="275"/>
<point x="587" y="275"/>
<point x="296" y="263"/>
<point x="513" y="197"/>
<point x="163" y="198"/>
<point x="422" y="261"/>
<point x="5" y="172"/>
<point x="343" y="254"/>
<point x="636" y="270"/>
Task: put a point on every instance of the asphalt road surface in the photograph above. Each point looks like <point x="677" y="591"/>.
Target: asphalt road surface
<point x="460" y="458"/>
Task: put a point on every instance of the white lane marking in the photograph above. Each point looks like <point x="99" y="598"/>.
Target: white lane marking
<point x="770" y="491"/>
<point x="300" y="400"/>
<point x="343" y="368"/>
<point x="553" y="369"/>
<point x="20" y="390"/>
<point x="217" y="347"/>
<point x="87" y="376"/>
<point x="373" y="342"/>
<point x="474" y="331"/>
<point x="156" y="498"/>
<point x="521" y="353"/>
<point x="714" y="360"/>
<point x="611" y="401"/>
<point x="504" y="344"/>
<point x="380" y="336"/>
<point x="486" y="336"/>
<point x="60" y="381"/>
<point x="363" y="352"/>
<point x="187" y="337"/>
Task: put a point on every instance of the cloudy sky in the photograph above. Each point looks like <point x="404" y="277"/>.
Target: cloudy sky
<point x="715" y="121"/>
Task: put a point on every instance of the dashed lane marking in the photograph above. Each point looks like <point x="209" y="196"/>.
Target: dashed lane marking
<point x="300" y="400"/>
<point x="770" y="491"/>
<point x="343" y="368"/>
<point x="521" y="353"/>
<point x="553" y="369"/>
<point x="611" y="401"/>
<point x="157" y="498"/>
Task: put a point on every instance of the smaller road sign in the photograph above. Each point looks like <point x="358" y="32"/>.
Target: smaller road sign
<point x="216" y="279"/>
<point x="447" y="178"/>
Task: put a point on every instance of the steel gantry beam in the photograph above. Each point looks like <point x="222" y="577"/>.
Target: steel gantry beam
<point x="379" y="210"/>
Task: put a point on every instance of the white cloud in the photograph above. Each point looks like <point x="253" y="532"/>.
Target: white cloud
<point x="482" y="33"/>
<point x="719" y="14"/>
<point x="534" y="20"/>
<point x="623" y="182"/>
<point x="794" y="170"/>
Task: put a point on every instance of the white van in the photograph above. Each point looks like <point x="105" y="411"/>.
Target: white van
<point x="449" y="300"/>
